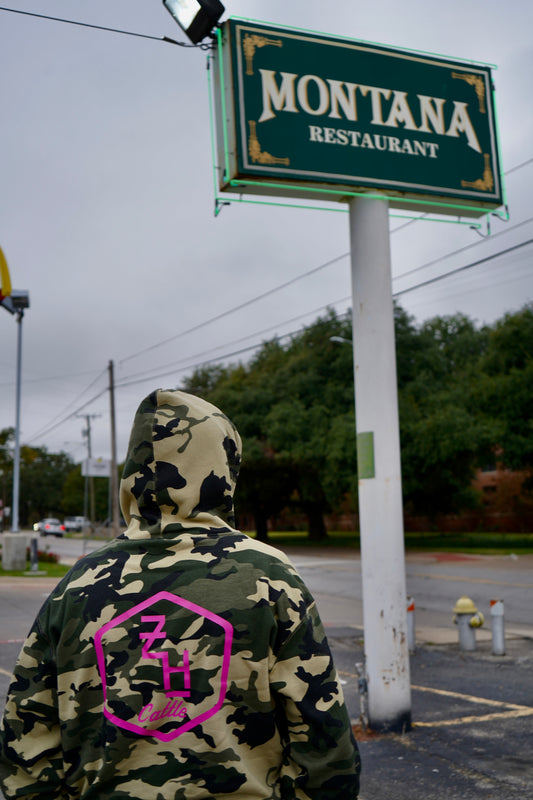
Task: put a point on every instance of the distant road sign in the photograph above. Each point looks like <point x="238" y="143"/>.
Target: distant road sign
<point x="96" y="468"/>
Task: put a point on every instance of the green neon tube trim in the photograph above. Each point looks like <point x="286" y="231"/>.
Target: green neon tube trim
<point x="223" y="100"/>
<point x="371" y="195"/>
<point x="211" y="124"/>
<point x="219" y="202"/>
<point x="365" y="41"/>
<point x="498" y="213"/>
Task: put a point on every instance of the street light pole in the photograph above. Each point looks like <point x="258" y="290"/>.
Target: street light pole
<point x="15" y="302"/>
<point x="16" y="457"/>
<point x="88" y="496"/>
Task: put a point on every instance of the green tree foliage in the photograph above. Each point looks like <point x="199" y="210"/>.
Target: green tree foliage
<point x="264" y="489"/>
<point x="465" y="393"/>
<point x="73" y="496"/>
<point x="444" y="437"/>
<point x="504" y="392"/>
<point x="42" y="475"/>
<point x="7" y="436"/>
<point x="465" y="400"/>
<point x="441" y="449"/>
<point x="293" y="405"/>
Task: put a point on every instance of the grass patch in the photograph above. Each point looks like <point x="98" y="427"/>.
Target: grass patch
<point x="301" y="539"/>
<point x="482" y="543"/>
<point x="51" y="570"/>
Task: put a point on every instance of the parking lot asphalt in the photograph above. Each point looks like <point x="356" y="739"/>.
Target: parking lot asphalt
<point x="472" y="712"/>
<point x="472" y="731"/>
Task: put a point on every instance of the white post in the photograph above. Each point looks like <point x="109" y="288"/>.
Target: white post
<point x="379" y="469"/>
<point x="498" y="627"/>
<point x="411" y="626"/>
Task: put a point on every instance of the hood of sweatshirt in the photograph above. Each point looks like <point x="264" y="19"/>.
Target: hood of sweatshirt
<point x="181" y="467"/>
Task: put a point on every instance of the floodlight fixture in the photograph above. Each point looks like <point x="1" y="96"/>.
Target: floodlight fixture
<point x="16" y="301"/>
<point x="340" y="340"/>
<point x="197" y="18"/>
<point x="20" y="299"/>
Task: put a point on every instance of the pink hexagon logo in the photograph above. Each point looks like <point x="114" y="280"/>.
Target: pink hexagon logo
<point x="164" y="666"/>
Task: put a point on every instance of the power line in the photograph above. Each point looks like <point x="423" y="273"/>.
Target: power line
<point x="176" y="364"/>
<point x="73" y="402"/>
<point x="132" y="380"/>
<point x="51" y="378"/>
<point x="463" y="290"/>
<point x="42" y="434"/>
<point x="201" y="364"/>
<point x="129" y="382"/>
<point x="103" y="28"/>
<point x="519" y="166"/>
<point x="303" y="275"/>
<point x="281" y="286"/>
<point x="463" y="268"/>
<point x="238" y="307"/>
<point x="121" y="385"/>
<point x="461" y="249"/>
<point x="312" y="271"/>
<point x="423" y="216"/>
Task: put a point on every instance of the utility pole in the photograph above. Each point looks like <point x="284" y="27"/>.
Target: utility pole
<point x="88" y="502"/>
<point x="19" y="302"/>
<point x="114" y="482"/>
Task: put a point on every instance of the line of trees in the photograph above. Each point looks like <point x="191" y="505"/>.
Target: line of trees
<point x="465" y="398"/>
<point x="51" y="484"/>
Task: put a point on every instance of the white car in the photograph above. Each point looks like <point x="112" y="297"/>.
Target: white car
<point x="76" y="523"/>
<point x="49" y="527"/>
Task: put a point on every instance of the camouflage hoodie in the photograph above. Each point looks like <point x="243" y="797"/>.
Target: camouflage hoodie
<point x="183" y="660"/>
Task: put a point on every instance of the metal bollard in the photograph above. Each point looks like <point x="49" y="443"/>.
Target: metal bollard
<point x="411" y="631"/>
<point x="363" y="694"/>
<point x="34" y="554"/>
<point x="498" y="627"/>
<point x="467" y="618"/>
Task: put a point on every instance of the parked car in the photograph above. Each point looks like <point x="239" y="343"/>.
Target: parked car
<point x="76" y="523"/>
<point x="49" y="527"/>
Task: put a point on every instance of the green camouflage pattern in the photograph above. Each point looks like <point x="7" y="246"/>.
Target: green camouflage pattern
<point x="183" y="660"/>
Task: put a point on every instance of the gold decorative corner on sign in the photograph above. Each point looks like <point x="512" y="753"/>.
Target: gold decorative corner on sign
<point x="255" y="152"/>
<point x="250" y="43"/>
<point x="484" y="184"/>
<point x="479" y="85"/>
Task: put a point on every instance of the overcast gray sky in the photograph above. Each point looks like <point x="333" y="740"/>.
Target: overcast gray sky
<point x="106" y="204"/>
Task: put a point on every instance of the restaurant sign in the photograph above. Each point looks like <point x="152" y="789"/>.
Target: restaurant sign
<point x="300" y="113"/>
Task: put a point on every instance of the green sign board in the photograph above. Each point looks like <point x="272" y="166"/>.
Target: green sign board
<point x="300" y="113"/>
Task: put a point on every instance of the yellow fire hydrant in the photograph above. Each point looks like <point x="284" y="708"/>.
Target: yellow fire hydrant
<point x="467" y="618"/>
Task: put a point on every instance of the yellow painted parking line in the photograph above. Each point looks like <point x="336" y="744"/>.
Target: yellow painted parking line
<point x="513" y="710"/>
<point x="469" y="697"/>
<point x="5" y="672"/>
<point x="515" y="713"/>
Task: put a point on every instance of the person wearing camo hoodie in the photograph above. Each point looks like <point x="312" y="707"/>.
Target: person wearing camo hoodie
<point x="183" y="660"/>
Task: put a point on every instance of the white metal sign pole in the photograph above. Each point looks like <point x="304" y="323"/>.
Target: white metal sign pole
<point x="379" y="468"/>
